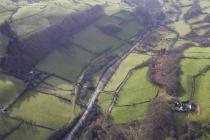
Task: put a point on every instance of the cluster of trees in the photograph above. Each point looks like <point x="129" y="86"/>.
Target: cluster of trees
<point x="143" y="15"/>
<point x="164" y="72"/>
<point x="158" y="121"/>
<point x="14" y="61"/>
<point x="31" y="50"/>
<point x="150" y="13"/>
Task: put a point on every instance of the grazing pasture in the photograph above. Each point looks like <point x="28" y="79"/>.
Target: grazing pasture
<point x="132" y="99"/>
<point x="94" y="40"/>
<point x="181" y="27"/>
<point x="104" y="101"/>
<point x="189" y="68"/>
<point x="198" y="52"/>
<point x="44" y="110"/>
<point x="6" y="125"/>
<point x="67" y="62"/>
<point x="130" y="29"/>
<point x="10" y="88"/>
<point x="29" y="132"/>
<point x="57" y="87"/>
<point x="202" y="98"/>
<point x="130" y="62"/>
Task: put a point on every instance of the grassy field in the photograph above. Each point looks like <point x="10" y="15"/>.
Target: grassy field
<point x="10" y="88"/>
<point x="3" y="44"/>
<point x="190" y="67"/>
<point x="29" y="18"/>
<point x="104" y="101"/>
<point x="108" y="19"/>
<point x="42" y="15"/>
<point x="136" y="90"/>
<point x="185" y="2"/>
<point x="130" y="62"/>
<point x="201" y="31"/>
<point x="130" y="29"/>
<point x="4" y="16"/>
<point x="93" y="39"/>
<point x="128" y="114"/>
<point x="181" y="27"/>
<point x="6" y="125"/>
<point x="202" y="97"/>
<point x="198" y="52"/>
<point x="200" y="25"/>
<point x="44" y="109"/>
<point x="26" y="132"/>
<point x="181" y="42"/>
<point x="197" y="19"/>
<point x="205" y="4"/>
<point x="124" y="15"/>
<point x="184" y="11"/>
<point x="26" y="26"/>
<point x="57" y="87"/>
<point x="67" y="62"/>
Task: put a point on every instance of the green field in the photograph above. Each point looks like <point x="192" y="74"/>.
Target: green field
<point x="58" y="87"/>
<point x="51" y="104"/>
<point x="181" y="27"/>
<point x="130" y="62"/>
<point x="197" y="52"/>
<point x="189" y="68"/>
<point x="136" y="90"/>
<point x="128" y="114"/>
<point x="42" y="15"/>
<point x="181" y="42"/>
<point x="124" y="15"/>
<point x="10" y="88"/>
<point x="3" y="44"/>
<point x="44" y="110"/>
<point x="197" y="19"/>
<point x="130" y="29"/>
<point x="202" y="97"/>
<point x="205" y="4"/>
<point x="108" y="19"/>
<point x="94" y="40"/>
<point x="67" y="62"/>
<point x="185" y="2"/>
<point x="104" y="101"/>
<point x="27" y="132"/>
<point x="184" y="11"/>
<point x="6" y="125"/>
<point x="29" y="18"/>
